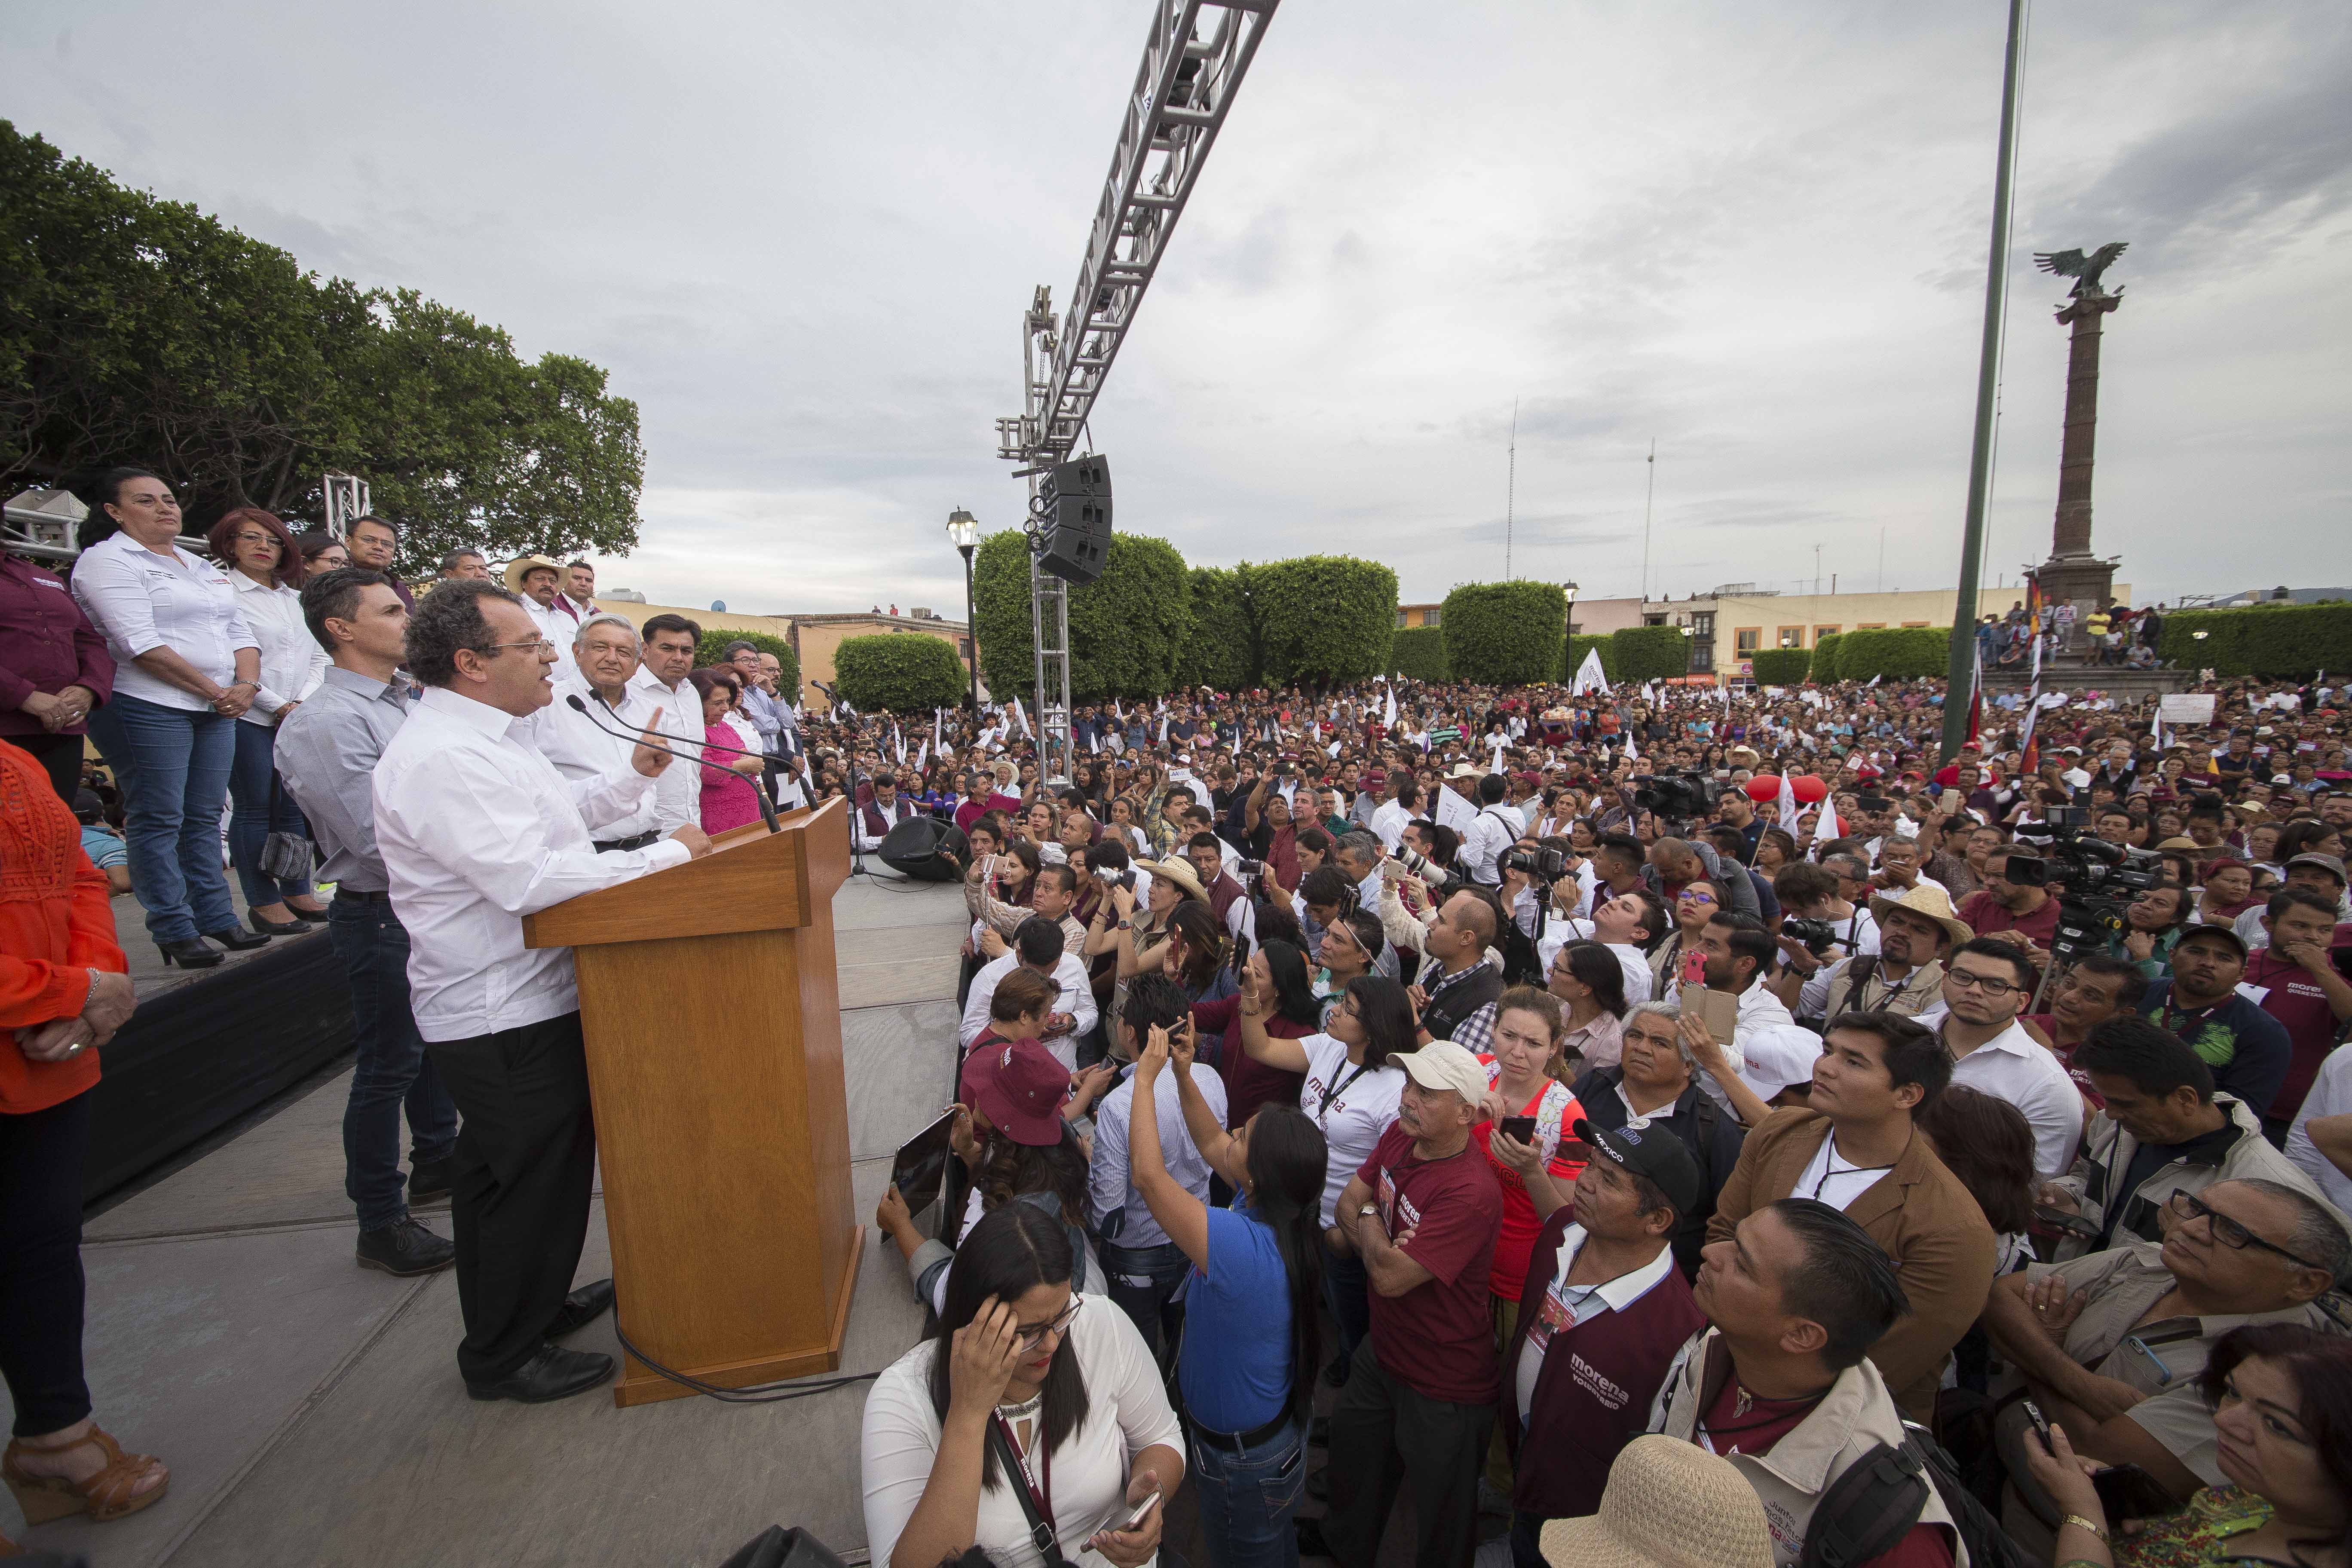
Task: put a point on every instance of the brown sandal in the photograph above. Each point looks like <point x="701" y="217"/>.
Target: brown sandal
<point x="104" y="1496"/>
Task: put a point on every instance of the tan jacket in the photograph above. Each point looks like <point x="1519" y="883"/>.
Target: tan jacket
<point x="1940" y="1241"/>
<point x="1919" y="990"/>
<point x="2108" y="1153"/>
<point x="1856" y="1416"/>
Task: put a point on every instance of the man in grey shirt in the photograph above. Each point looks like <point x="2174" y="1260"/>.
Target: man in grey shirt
<point x="326" y="754"/>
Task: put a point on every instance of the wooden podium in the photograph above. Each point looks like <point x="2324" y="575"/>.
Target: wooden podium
<point x="712" y="1012"/>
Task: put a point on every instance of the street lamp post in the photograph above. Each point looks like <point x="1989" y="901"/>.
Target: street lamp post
<point x="963" y="530"/>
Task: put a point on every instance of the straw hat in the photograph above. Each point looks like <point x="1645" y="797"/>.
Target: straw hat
<point x="1922" y="899"/>
<point x="524" y="565"/>
<point x="1178" y="870"/>
<point x="1668" y="1504"/>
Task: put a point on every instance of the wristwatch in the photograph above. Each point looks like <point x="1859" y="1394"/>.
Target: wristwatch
<point x="1363" y="1209"/>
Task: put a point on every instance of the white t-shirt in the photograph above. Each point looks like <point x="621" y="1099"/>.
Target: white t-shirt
<point x="1354" y="1118"/>
<point x="2331" y="1095"/>
<point x="1127" y="1412"/>
<point x="1834" y="1181"/>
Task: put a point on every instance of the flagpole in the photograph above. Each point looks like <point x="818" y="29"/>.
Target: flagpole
<point x="1961" y="667"/>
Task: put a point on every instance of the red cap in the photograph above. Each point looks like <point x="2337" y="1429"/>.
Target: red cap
<point x="1021" y="1087"/>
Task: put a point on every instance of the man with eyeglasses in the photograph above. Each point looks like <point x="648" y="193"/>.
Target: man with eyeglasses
<point x="477" y="830"/>
<point x="2111" y="1345"/>
<point x="1987" y="983"/>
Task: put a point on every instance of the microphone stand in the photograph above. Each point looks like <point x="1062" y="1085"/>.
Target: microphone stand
<point x="643" y="737"/>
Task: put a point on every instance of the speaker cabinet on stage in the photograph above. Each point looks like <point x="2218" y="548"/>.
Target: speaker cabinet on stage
<point x="712" y="1012"/>
<point x="1076" y="503"/>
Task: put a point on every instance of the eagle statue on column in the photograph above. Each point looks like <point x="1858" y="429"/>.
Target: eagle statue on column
<point x="2085" y="271"/>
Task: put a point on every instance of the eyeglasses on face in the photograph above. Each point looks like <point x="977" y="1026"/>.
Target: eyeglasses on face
<point x="2229" y="1231"/>
<point x="539" y="644"/>
<point x="1031" y="1337"/>
<point x="1969" y="980"/>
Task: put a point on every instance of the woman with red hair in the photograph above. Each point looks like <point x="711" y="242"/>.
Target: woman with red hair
<point x="266" y="567"/>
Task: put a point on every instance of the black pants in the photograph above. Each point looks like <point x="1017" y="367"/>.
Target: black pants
<point x="1384" y="1435"/>
<point x="525" y="1166"/>
<point x="41" y="1158"/>
<point x="60" y="755"/>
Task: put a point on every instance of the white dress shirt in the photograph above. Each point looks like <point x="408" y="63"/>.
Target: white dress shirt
<point x="1078" y="999"/>
<point x="678" y="797"/>
<point x="1388" y="824"/>
<point x="1490" y="834"/>
<point x="1559" y="933"/>
<point x="581" y="752"/>
<point x="2013" y="1066"/>
<point x="1110" y="1184"/>
<point x="1768" y="1049"/>
<point x="292" y="662"/>
<point x="140" y="600"/>
<point x="478" y="829"/>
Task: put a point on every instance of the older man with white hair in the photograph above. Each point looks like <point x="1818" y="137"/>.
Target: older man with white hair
<point x="604" y="656"/>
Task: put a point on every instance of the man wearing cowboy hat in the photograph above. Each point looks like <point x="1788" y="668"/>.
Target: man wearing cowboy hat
<point x="536" y="578"/>
<point x="1905" y="975"/>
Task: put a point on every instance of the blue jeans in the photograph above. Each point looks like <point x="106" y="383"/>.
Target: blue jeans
<point x="391" y="1068"/>
<point x="1143" y="1283"/>
<point x="1347" y="1289"/>
<point x="1247" y="1499"/>
<point x="173" y="766"/>
<point x="253" y="821"/>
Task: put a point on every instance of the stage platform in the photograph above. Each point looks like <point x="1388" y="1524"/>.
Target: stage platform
<point x="312" y="1410"/>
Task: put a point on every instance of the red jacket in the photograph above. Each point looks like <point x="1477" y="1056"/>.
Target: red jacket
<point x="56" y="925"/>
<point x="47" y="643"/>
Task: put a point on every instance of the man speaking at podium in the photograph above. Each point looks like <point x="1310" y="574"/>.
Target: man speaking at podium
<point x="478" y="829"/>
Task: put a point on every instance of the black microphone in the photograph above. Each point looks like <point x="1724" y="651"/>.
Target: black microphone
<point x="767" y="806"/>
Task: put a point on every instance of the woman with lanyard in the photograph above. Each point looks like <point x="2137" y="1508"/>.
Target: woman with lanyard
<point x="1351" y="1092"/>
<point x="1352" y="946"/>
<point x="1033" y="1425"/>
<point x="1694" y="907"/>
<point x="1252" y="1322"/>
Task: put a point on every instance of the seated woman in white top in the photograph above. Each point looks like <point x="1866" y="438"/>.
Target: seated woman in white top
<point x="1031" y="1396"/>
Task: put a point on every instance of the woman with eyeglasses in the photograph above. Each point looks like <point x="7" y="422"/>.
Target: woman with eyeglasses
<point x="267" y="572"/>
<point x="2281" y="1396"/>
<point x="321" y="552"/>
<point x="187" y="667"/>
<point x="1694" y="906"/>
<point x="1034" y="1412"/>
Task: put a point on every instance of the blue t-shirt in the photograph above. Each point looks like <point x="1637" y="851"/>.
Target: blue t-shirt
<point x="103" y="849"/>
<point x="1239" y="1307"/>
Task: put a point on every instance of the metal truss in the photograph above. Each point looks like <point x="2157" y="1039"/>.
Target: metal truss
<point x="1193" y="61"/>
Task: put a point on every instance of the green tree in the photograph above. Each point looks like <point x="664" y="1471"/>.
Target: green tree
<point x="1323" y="617"/>
<point x="1221" y="651"/>
<point x="716" y="640"/>
<point x="1895" y="652"/>
<point x="1647" y="653"/>
<point x="138" y="330"/>
<point x="1822" y="668"/>
<point x="1504" y="634"/>
<point x="1127" y="628"/>
<point x="2278" y="641"/>
<point x="1781" y="665"/>
<point x="1418" y="653"/>
<point x="898" y="672"/>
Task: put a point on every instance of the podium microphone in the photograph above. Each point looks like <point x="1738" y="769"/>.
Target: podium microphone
<point x="767" y="806"/>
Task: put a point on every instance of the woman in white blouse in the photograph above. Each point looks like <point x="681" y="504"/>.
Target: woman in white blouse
<point x="186" y="668"/>
<point x="1030" y="1400"/>
<point x="265" y="566"/>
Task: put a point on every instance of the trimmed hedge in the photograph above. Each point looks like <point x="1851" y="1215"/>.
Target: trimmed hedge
<point x="1781" y="665"/>
<point x="2290" y="642"/>
<point x="712" y="649"/>
<point x="1898" y="653"/>
<point x="1323" y="617"/>
<point x="1126" y="628"/>
<point x="898" y="672"/>
<point x="1573" y="656"/>
<point x="1504" y="634"/>
<point x="1822" y="671"/>
<point x="1418" y="653"/>
<point x="1221" y="651"/>
<point x="1646" y="653"/>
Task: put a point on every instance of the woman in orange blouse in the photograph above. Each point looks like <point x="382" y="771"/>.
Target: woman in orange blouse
<point x="63" y="993"/>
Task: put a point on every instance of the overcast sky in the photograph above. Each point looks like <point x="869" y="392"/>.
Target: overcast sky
<point x="802" y="238"/>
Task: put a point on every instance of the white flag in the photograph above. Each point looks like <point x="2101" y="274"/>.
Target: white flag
<point x="1788" y="803"/>
<point x="1388" y="711"/>
<point x="1589" y="676"/>
<point x="922" y="756"/>
<point x="1875" y="679"/>
<point x="936" y="715"/>
<point x="1630" y="755"/>
<point x="1826" y="828"/>
<point x="1163" y="728"/>
<point x="1019" y="717"/>
<point x="1094" y="743"/>
<point x="1117" y="710"/>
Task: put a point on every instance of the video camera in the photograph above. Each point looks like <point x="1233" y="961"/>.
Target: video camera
<point x="1818" y="936"/>
<point x="1683" y="795"/>
<point x="1545" y="865"/>
<point x="2095" y="881"/>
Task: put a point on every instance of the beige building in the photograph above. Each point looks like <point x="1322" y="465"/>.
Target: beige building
<point x="1599" y="616"/>
<point x="1729" y="625"/>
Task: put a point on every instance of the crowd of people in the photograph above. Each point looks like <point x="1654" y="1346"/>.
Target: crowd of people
<point x="1532" y="1105"/>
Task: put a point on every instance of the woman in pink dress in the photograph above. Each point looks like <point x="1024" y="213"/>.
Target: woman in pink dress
<point x="729" y="796"/>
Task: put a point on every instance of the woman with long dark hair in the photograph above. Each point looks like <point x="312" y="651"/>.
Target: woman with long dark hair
<point x="1277" y="975"/>
<point x="1029" y="1397"/>
<point x="1252" y="1336"/>
<point x="2282" y="1401"/>
<point x="266" y="569"/>
<point x="186" y="668"/>
<point x="1590" y="983"/>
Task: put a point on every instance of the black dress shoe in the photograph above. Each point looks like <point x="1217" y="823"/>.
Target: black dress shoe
<point x="405" y="1249"/>
<point x="1335" y="1374"/>
<point x="553" y="1373"/>
<point x="581" y="1308"/>
<point x="188" y="952"/>
<point x="263" y="927"/>
<point x="236" y="939"/>
<point x="429" y="1180"/>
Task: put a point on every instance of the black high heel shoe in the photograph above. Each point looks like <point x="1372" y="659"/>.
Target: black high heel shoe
<point x="237" y="941"/>
<point x="188" y="952"/>
<point x="280" y="928"/>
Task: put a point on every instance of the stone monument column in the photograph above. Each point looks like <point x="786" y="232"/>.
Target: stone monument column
<point x="2073" y="574"/>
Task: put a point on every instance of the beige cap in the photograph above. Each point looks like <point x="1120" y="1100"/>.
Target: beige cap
<point x="1442" y="1063"/>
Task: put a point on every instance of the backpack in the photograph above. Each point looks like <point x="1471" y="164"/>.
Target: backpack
<point x="1871" y="1507"/>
